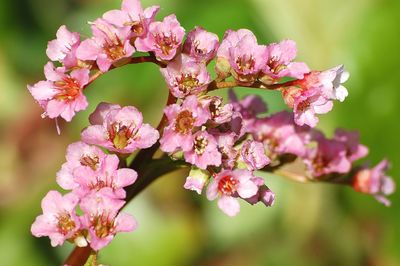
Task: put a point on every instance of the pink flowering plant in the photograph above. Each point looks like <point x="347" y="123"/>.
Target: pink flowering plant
<point x="224" y="143"/>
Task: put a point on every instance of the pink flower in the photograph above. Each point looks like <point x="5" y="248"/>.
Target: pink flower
<point x="314" y="94"/>
<point x="309" y="104"/>
<point x="164" y="38"/>
<point x="201" y="45"/>
<point x="79" y="154"/>
<point x="204" y="151"/>
<point x="331" y="81"/>
<point x="375" y="182"/>
<point x="185" y="76"/>
<point x="182" y="120"/>
<point x="61" y="94"/>
<point x="253" y="155"/>
<point x="281" y="135"/>
<point x="245" y="56"/>
<point x="108" y="176"/>
<point x="330" y="156"/>
<point x="196" y="180"/>
<point x="109" y="45"/>
<point x="63" y="49"/>
<point x="264" y="194"/>
<point x="220" y="113"/>
<point x="226" y="143"/>
<point x="227" y="186"/>
<point x="132" y="15"/>
<point x="103" y="220"/>
<point x="58" y="221"/>
<point x="249" y="108"/>
<point x="306" y="103"/>
<point x="279" y="62"/>
<point x="119" y="129"/>
<point x="355" y="150"/>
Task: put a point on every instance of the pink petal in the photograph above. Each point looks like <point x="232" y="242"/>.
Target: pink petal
<point x="81" y="75"/>
<point x="51" y="73"/>
<point x="324" y="108"/>
<point x="68" y="112"/>
<point x="247" y="189"/>
<point x="212" y="190"/>
<point x="297" y="70"/>
<point x="94" y="135"/>
<point x="88" y="50"/>
<point x="99" y="115"/>
<point x="65" y="178"/>
<point x="103" y="62"/>
<point x="43" y="90"/>
<point x="131" y="6"/>
<point x="229" y="205"/>
<point x="146" y="137"/>
<point x="125" y="223"/>
<point x="51" y="202"/>
<point x="55" y="107"/>
<point x="110" y="163"/>
<point x="125" y="177"/>
<point x="42" y="226"/>
<point x="116" y="17"/>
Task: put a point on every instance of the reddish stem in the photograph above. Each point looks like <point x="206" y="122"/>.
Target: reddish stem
<point x="215" y="85"/>
<point x="78" y="256"/>
<point x="133" y="60"/>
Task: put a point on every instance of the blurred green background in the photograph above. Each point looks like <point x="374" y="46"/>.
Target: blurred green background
<point x="309" y="224"/>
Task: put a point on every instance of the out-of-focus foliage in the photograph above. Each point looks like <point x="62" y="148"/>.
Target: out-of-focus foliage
<point x="309" y="224"/>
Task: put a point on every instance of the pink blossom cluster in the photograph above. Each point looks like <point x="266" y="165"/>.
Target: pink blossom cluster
<point x="212" y="137"/>
<point x="116" y="36"/>
<point x="226" y="143"/>
<point x="97" y="188"/>
<point x="223" y="143"/>
<point x="119" y="34"/>
<point x="96" y="181"/>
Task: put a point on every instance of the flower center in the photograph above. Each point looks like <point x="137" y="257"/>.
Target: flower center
<point x="198" y="50"/>
<point x="186" y="82"/>
<point x="165" y="42"/>
<point x="120" y="134"/>
<point x="114" y="50"/>
<point x="319" y="163"/>
<point x="136" y="27"/>
<point x="184" y="122"/>
<point x="215" y="108"/>
<point x="275" y="66"/>
<point x="102" y="225"/>
<point x="303" y="106"/>
<point x="100" y="183"/>
<point x="227" y="185"/>
<point x="200" y="144"/>
<point x="245" y="63"/>
<point x="91" y="161"/>
<point x="68" y="89"/>
<point x="65" y="223"/>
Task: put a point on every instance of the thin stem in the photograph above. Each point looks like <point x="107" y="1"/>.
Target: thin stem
<point x="78" y="256"/>
<point x="216" y="85"/>
<point x="133" y="60"/>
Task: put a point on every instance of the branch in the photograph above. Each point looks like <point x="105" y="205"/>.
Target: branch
<point x="216" y="85"/>
<point x="130" y="61"/>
